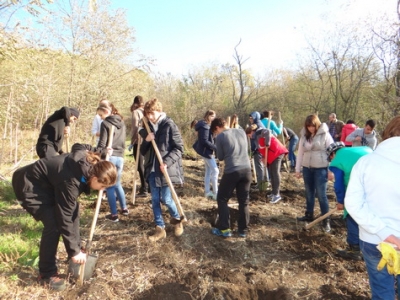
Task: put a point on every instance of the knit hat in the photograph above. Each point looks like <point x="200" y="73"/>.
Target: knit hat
<point x="74" y="112"/>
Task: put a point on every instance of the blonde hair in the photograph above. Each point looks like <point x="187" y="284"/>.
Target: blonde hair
<point x="152" y="105"/>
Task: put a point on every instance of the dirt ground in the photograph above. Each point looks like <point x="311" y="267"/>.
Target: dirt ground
<point x="277" y="260"/>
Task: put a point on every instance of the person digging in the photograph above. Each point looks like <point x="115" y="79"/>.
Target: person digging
<point x="342" y="159"/>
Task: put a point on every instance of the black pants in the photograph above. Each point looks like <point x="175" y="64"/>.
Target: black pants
<point x="239" y="180"/>
<point x="143" y="185"/>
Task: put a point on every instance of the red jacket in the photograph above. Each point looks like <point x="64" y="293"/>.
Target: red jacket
<point x="274" y="150"/>
<point x="346" y="130"/>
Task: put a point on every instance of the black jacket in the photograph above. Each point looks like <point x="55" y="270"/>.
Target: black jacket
<point x="57" y="181"/>
<point x="119" y="138"/>
<point x="205" y="143"/>
<point x="52" y="132"/>
<point x="170" y="145"/>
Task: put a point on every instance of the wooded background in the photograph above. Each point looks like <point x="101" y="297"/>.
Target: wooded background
<point x="79" y="52"/>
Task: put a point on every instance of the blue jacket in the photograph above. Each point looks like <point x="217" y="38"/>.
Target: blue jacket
<point x="205" y="142"/>
<point x="260" y="126"/>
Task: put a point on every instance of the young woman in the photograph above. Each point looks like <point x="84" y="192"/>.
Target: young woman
<point x="311" y="156"/>
<point x="205" y="147"/>
<point x="51" y="135"/>
<point x="111" y="117"/>
<point x="169" y="142"/>
<point x="48" y="190"/>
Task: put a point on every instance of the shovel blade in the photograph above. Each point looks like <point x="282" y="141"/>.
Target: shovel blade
<point x="73" y="268"/>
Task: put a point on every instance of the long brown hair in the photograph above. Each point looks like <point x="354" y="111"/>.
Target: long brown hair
<point x="392" y="129"/>
<point x="208" y="114"/>
<point x="311" y="120"/>
<point x="105" y="171"/>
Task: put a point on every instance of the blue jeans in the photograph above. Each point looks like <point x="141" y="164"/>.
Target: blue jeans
<point x="211" y="175"/>
<point x="315" y="181"/>
<point x="116" y="191"/>
<point x="352" y="231"/>
<point x="381" y="282"/>
<point x="161" y="195"/>
<point x="292" y="148"/>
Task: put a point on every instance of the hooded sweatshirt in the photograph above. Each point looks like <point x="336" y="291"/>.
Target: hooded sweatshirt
<point x="373" y="193"/>
<point x="366" y="139"/>
<point x="56" y="182"/>
<point x="346" y="131"/>
<point x="118" y="143"/>
<point x="256" y="134"/>
<point x="205" y="144"/>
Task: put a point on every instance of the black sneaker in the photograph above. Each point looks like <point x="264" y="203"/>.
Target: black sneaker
<point x="142" y="195"/>
<point x="352" y="252"/>
<point x="125" y="212"/>
<point x="112" y="218"/>
<point x="54" y="282"/>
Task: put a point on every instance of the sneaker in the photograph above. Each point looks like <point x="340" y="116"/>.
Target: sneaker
<point x="326" y="225"/>
<point x="112" y="218"/>
<point x="242" y="234"/>
<point x="125" y="212"/>
<point x="54" y="282"/>
<point x="224" y="233"/>
<point x="211" y="195"/>
<point x="270" y="196"/>
<point x="352" y="252"/>
<point x="275" y="199"/>
<point x="178" y="229"/>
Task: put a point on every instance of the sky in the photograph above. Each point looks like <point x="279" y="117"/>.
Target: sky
<point x="184" y="34"/>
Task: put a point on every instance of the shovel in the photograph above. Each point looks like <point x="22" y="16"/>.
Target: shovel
<point x="86" y="269"/>
<point x="319" y="219"/>
<point x="136" y="169"/>
<point x="165" y="173"/>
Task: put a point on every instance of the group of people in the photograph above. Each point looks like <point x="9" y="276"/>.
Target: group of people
<point x="49" y="188"/>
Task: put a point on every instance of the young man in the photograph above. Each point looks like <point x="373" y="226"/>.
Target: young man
<point x="169" y="142"/>
<point x="232" y="149"/>
<point x="342" y="159"/>
<point x="364" y="136"/>
<point x="51" y="136"/>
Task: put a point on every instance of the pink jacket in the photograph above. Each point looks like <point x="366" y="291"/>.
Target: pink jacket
<point x="346" y="130"/>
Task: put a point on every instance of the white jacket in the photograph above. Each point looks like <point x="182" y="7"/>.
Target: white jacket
<point x="313" y="154"/>
<point x="373" y="194"/>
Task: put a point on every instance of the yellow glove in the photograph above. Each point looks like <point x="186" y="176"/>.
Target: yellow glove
<point x="390" y="258"/>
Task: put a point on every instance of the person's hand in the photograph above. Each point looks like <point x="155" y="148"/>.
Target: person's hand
<point x="297" y="175"/>
<point x="393" y="240"/>
<point x="150" y="137"/>
<point x="339" y="206"/>
<point x="110" y="151"/>
<point x="79" y="258"/>
<point x="357" y="138"/>
<point x="163" y="168"/>
<point x="67" y="130"/>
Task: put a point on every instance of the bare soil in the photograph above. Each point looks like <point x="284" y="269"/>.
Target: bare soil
<point x="277" y="260"/>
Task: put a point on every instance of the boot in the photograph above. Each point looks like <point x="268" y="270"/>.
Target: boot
<point x="309" y="217"/>
<point x="158" y="235"/>
<point x="326" y="225"/>
<point x="179" y="229"/>
<point x="352" y="252"/>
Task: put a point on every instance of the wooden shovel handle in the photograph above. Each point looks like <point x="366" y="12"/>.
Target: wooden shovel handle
<point x="165" y="173"/>
<point x="319" y="219"/>
<point x="96" y="214"/>
<point x="136" y="169"/>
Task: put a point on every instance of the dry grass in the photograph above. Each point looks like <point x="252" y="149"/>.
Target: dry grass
<point x="278" y="259"/>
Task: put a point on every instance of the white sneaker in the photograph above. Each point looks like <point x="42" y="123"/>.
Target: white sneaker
<point x="275" y="199"/>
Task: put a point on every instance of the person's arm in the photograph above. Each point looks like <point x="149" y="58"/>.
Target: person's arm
<point x="276" y="128"/>
<point x="175" y="145"/>
<point x="351" y="137"/>
<point x="266" y="134"/>
<point x="328" y="140"/>
<point x="203" y="135"/>
<point x="357" y="205"/>
<point x="135" y="127"/>
<point x="339" y="186"/>
<point x="300" y="153"/>
<point x="95" y="126"/>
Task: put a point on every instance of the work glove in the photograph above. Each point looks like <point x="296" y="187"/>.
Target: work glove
<point x="130" y="147"/>
<point x="390" y="258"/>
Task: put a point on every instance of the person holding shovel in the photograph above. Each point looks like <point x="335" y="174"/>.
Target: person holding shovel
<point x="233" y="150"/>
<point x="342" y="160"/>
<point x="111" y="117"/>
<point x="311" y="156"/>
<point x="48" y="190"/>
<point x="372" y="199"/>
<point x="272" y="152"/>
<point x="137" y="116"/>
<point x="169" y="143"/>
<point x="51" y="135"/>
